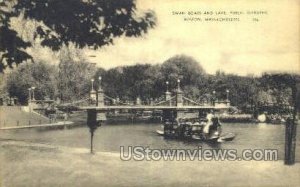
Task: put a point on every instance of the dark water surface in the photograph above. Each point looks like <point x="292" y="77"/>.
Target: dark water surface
<point x="110" y="137"/>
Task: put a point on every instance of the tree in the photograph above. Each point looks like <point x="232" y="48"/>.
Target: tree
<point x="130" y="82"/>
<point x="182" y="67"/>
<point x="92" y="23"/>
<point x="285" y="87"/>
<point x="74" y="75"/>
<point x="40" y="75"/>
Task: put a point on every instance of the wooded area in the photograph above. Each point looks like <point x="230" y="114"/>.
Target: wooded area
<point x="71" y="81"/>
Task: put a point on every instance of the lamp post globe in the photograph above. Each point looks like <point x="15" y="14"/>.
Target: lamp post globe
<point x="167" y="83"/>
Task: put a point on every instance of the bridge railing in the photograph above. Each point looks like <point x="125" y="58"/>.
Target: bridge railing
<point x="169" y="102"/>
<point x="188" y="101"/>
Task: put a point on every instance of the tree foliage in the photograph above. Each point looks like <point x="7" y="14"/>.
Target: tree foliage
<point x="74" y="76"/>
<point x="40" y="75"/>
<point x="92" y="23"/>
<point x="248" y="93"/>
<point x="130" y="82"/>
<point x="11" y="45"/>
<point x="182" y="67"/>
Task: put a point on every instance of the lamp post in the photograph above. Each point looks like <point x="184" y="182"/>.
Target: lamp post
<point x="29" y="98"/>
<point x="214" y="97"/>
<point x="33" y="88"/>
<point x="93" y="94"/>
<point x="29" y="95"/>
<point x="227" y="95"/>
<point x="168" y="94"/>
<point x="92" y="80"/>
<point x="100" y="93"/>
<point x="178" y="83"/>
<point x="227" y="98"/>
<point x="100" y="78"/>
<point x="179" y="95"/>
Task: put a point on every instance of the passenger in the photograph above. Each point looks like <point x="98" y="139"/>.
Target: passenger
<point x="209" y="123"/>
<point x="216" y="126"/>
<point x="183" y="125"/>
<point x="179" y="122"/>
<point x="189" y="123"/>
<point x="210" y="115"/>
<point x="196" y="126"/>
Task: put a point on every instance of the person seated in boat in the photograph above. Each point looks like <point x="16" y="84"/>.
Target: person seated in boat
<point x="215" y="127"/>
<point x="196" y="126"/>
<point x="209" y="122"/>
<point x="183" y="123"/>
<point x="196" y="123"/>
<point x="210" y="115"/>
<point x="189" y="123"/>
<point x="179" y="122"/>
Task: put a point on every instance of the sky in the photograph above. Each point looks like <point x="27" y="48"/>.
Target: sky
<point x="244" y="47"/>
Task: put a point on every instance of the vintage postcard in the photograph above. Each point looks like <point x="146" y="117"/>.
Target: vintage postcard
<point x="149" y="93"/>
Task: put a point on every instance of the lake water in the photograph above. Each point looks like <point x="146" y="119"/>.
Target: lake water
<point x="110" y="137"/>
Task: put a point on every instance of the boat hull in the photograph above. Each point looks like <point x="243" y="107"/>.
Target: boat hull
<point x="222" y="138"/>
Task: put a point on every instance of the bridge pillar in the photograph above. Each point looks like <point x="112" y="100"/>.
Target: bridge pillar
<point x="179" y="95"/>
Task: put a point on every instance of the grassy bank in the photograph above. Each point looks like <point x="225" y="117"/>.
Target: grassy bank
<point x="28" y="164"/>
<point x="11" y="116"/>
